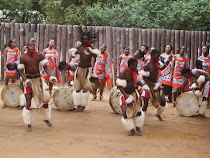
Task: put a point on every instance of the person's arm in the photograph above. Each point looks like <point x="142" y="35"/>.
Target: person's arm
<point x="146" y="74"/>
<point x="70" y="57"/>
<point x="118" y="68"/>
<point x="5" y="59"/>
<point x="24" y="49"/>
<point x="166" y="63"/>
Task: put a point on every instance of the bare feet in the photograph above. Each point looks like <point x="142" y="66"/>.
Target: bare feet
<point x="29" y="128"/>
<point x="159" y="117"/>
<point x="174" y="105"/>
<point x="101" y="98"/>
<point x="131" y="133"/>
<point x="48" y="123"/>
<point x="94" y="98"/>
<point x="138" y="131"/>
<point x="81" y="109"/>
<point x="20" y="107"/>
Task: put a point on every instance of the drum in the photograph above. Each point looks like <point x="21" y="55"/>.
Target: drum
<point x="113" y="89"/>
<point x="114" y="101"/>
<point x="187" y="104"/>
<point x="63" y="99"/>
<point x="10" y="95"/>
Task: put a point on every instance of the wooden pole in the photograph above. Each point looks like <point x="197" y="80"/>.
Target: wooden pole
<point x="17" y="34"/>
<point x="12" y="31"/>
<point x="2" y="51"/>
<point x="163" y="41"/>
<point x="22" y="34"/>
<point x="132" y="40"/>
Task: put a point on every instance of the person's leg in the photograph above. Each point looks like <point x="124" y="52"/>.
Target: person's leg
<point x="94" y="94"/>
<point x="47" y="114"/>
<point x="102" y="91"/>
<point x="6" y="82"/>
<point x="50" y="87"/>
<point x="27" y="112"/>
<point x="13" y="81"/>
<point x="161" y="108"/>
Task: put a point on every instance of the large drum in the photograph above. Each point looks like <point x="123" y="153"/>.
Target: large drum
<point x="187" y="104"/>
<point x="10" y="95"/>
<point x="114" y="101"/>
<point x="63" y="99"/>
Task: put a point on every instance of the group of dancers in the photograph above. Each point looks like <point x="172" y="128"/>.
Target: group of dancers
<point x="143" y="75"/>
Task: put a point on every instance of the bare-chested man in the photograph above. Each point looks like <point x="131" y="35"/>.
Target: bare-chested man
<point x="202" y="77"/>
<point x="82" y="86"/>
<point x="128" y="81"/>
<point x="150" y="76"/>
<point x="34" y="85"/>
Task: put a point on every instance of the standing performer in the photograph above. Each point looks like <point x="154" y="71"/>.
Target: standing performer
<point x="203" y="62"/>
<point x="123" y="60"/>
<point x="147" y="55"/>
<point x="53" y="60"/>
<point x="167" y="73"/>
<point x="128" y="81"/>
<point x="103" y="70"/>
<point x="25" y="47"/>
<point x="73" y="60"/>
<point x="34" y="85"/>
<point x="12" y="54"/>
<point x="179" y="81"/>
<point x="139" y="56"/>
<point x="82" y="86"/>
<point x="202" y="77"/>
<point x="150" y="75"/>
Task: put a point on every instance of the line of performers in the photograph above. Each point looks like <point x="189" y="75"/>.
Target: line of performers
<point x="149" y="71"/>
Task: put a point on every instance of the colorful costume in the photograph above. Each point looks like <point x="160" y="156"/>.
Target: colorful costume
<point x="53" y="61"/>
<point x="124" y="62"/>
<point x="75" y="60"/>
<point x="103" y="69"/>
<point x="12" y="56"/>
<point x="205" y="65"/>
<point x="135" y="117"/>
<point x="40" y="93"/>
<point x="140" y="65"/>
<point x="179" y="81"/>
<point x="167" y="74"/>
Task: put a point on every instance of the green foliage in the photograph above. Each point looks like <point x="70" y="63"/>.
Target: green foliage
<point x="164" y="14"/>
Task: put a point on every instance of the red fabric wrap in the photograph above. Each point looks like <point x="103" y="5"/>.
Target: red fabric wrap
<point x="134" y="74"/>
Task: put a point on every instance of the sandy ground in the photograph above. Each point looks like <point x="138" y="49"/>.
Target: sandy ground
<point x="98" y="133"/>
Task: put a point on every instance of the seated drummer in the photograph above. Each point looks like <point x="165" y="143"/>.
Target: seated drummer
<point x="64" y="66"/>
<point x="128" y="81"/>
<point x="202" y="77"/>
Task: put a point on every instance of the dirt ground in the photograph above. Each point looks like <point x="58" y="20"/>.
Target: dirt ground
<point x="98" y="133"/>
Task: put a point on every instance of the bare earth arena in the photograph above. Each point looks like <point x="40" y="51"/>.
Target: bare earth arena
<point x="98" y="133"/>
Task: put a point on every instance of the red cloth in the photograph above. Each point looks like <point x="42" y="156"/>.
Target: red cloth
<point x="156" y="63"/>
<point x="134" y="74"/>
<point x="89" y="44"/>
<point x="32" y="54"/>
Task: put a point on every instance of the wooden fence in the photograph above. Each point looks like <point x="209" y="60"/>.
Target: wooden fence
<point x="115" y="37"/>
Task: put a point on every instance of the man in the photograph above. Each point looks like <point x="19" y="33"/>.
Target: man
<point x="147" y="55"/>
<point x="82" y="86"/>
<point x="167" y="73"/>
<point x="123" y="60"/>
<point x="34" y="85"/>
<point x="203" y="62"/>
<point x="103" y="70"/>
<point x="128" y="81"/>
<point x="25" y="47"/>
<point x="150" y="76"/>
<point x="202" y="77"/>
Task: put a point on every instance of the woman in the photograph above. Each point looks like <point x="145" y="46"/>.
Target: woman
<point x="53" y="60"/>
<point x="73" y="60"/>
<point x="12" y="54"/>
<point x="179" y="81"/>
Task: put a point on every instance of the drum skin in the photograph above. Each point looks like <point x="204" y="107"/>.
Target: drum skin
<point x="10" y="95"/>
<point x="187" y="104"/>
<point x="114" y="101"/>
<point x="63" y="99"/>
